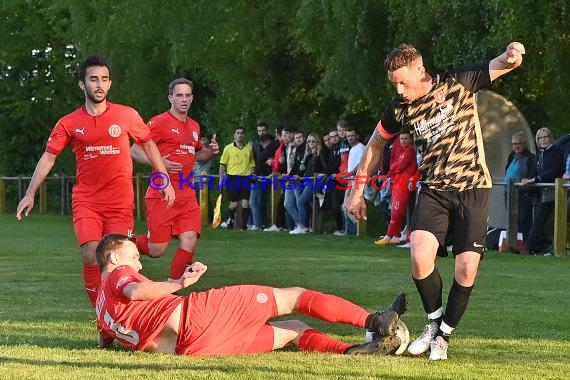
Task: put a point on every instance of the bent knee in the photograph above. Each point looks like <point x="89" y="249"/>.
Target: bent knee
<point x="156" y="251"/>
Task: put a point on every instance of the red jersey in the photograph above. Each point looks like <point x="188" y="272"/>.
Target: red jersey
<point x="180" y="140"/>
<point x="133" y="323"/>
<point x="102" y="152"/>
<point x="403" y="160"/>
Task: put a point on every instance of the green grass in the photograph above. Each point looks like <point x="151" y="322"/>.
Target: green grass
<point x="517" y="325"/>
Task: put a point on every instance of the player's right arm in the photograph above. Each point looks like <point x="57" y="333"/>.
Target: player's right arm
<point x="150" y="290"/>
<point x="44" y="166"/>
<point x="355" y="203"/>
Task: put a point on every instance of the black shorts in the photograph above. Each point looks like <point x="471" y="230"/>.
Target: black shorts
<point x="238" y="187"/>
<point x="461" y="214"/>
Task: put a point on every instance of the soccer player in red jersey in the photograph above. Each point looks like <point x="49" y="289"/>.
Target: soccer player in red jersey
<point x="178" y="139"/>
<point x="144" y="315"/>
<point x="103" y="197"/>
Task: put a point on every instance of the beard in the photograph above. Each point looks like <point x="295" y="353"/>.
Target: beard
<point x="91" y="96"/>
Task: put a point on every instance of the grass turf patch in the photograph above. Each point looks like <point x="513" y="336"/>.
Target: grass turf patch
<point x="516" y="325"/>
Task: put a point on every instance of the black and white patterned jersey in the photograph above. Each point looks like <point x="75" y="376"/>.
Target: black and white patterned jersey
<point x="446" y="129"/>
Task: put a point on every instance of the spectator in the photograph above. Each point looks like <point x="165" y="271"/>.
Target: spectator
<point x="333" y="195"/>
<point x="354" y="156"/>
<point x="313" y="165"/>
<point x="292" y="169"/>
<point x="263" y="151"/>
<point x="285" y="137"/>
<point x="326" y="141"/>
<point x="550" y="165"/>
<point x="237" y="163"/>
<point x="403" y="168"/>
<point x="521" y="163"/>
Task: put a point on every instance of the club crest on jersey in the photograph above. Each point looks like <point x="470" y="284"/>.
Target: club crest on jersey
<point x="439" y="96"/>
<point x="261" y="298"/>
<point x="195" y="134"/>
<point x="114" y="130"/>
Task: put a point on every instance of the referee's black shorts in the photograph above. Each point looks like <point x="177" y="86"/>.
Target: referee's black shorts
<point x="462" y="214"/>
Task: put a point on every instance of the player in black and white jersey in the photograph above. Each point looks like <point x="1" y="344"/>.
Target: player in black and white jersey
<point x="440" y="111"/>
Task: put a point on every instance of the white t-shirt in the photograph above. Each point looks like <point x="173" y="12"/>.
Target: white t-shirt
<point x="354" y="156"/>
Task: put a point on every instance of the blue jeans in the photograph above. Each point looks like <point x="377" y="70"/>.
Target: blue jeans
<point x="304" y="200"/>
<point x="257" y="205"/>
<point x="291" y="204"/>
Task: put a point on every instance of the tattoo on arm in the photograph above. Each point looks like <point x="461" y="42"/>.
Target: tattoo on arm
<point x="379" y="139"/>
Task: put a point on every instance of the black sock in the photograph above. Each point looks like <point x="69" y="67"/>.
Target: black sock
<point x="456" y="303"/>
<point x="429" y="290"/>
<point x="443" y="335"/>
<point x="437" y="320"/>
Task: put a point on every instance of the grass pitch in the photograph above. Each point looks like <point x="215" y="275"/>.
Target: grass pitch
<point x="517" y="325"/>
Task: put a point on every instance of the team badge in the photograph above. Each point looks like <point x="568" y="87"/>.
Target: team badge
<point x="195" y="134"/>
<point x="261" y="298"/>
<point x="114" y="130"/>
<point x="439" y="96"/>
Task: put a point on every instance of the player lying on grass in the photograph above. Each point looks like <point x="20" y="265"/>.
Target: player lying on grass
<point x="144" y="315"/>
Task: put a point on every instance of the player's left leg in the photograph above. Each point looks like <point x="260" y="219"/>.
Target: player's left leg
<point x="308" y="339"/>
<point x="184" y="254"/>
<point x="187" y="227"/>
<point x="466" y="265"/>
<point x="334" y="309"/>
<point x="469" y="234"/>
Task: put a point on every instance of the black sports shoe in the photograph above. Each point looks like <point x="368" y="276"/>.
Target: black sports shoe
<point x="398" y="304"/>
<point x="383" y="346"/>
<point x="384" y="323"/>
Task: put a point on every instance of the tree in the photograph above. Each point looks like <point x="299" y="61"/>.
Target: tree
<point x="37" y="83"/>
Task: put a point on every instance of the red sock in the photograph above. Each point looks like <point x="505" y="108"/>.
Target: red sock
<point x="314" y="340"/>
<point x="329" y="308"/>
<point x="92" y="281"/>
<point x="182" y="258"/>
<point x="141" y="241"/>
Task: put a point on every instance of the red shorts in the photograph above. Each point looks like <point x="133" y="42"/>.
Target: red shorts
<point x="164" y="223"/>
<point x="91" y="223"/>
<point x="230" y="320"/>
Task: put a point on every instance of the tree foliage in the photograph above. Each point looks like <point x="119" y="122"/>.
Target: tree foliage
<point x="301" y="62"/>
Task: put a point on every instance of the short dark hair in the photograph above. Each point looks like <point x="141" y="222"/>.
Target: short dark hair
<point x="351" y="128"/>
<point x="93" y="60"/>
<point x="178" y="81"/>
<point x="262" y="124"/>
<point x="106" y="246"/>
<point x="343" y="124"/>
<point x="403" y="56"/>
